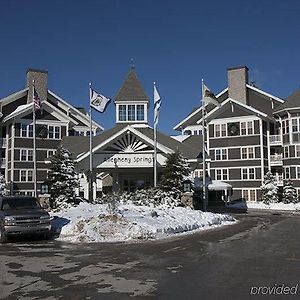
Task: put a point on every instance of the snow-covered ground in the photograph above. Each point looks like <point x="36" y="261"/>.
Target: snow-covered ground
<point x="274" y="206"/>
<point x="96" y="223"/>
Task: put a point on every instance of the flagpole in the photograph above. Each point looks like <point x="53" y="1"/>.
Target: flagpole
<point x="155" y="145"/>
<point x="34" y="143"/>
<point x="203" y="150"/>
<point x="91" y="191"/>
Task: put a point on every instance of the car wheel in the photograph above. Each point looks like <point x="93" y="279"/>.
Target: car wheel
<point x="3" y="237"/>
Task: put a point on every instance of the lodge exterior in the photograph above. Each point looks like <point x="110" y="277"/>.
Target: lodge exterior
<point x="252" y="132"/>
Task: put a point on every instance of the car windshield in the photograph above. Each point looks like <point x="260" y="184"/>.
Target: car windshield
<point x="20" y="203"/>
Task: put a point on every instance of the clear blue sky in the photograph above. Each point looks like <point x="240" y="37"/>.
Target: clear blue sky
<point x="175" y="43"/>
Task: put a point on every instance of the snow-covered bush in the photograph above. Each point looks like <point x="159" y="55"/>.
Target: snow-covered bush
<point x="113" y="204"/>
<point x="62" y="177"/>
<point x="174" y="173"/>
<point x="150" y="197"/>
<point x="3" y="186"/>
<point x="269" y="189"/>
<point x="289" y="194"/>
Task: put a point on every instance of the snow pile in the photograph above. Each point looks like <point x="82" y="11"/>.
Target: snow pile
<point x="274" y="206"/>
<point x="96" y="223"/>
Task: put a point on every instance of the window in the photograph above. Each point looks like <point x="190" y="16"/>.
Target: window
<point x="50" y="153"/>
<point x="250" y="127"/>
<point x="295" y="125"/>
<point x="224" y="131"/>
<point x="30" y="130"/>
<point x="285" y="127"/>
<point x="243" y="128"/>
<point x="217" y="130"/>
<point x="198" y="173"/>
<point x="44" y="189"/>
<point x="23" y="130"/>
<point x="57" y="132"/>
<point x="122" y="112"/>
<point x="225" y="174"/>
<point x="248" y="173"/>
<point x="23" y="175"/>
<point x="287" y="173"/>
<point x="140" y="115"/>
<point x="251" y="173"/>
<point x="51" y="132"/>
<point x="131" y="112"/>
<point x="30" y="155"/>
<point x="23" y="155"/>
<point x="218" y="174"/>
<point x="298" y="172"/>
<point x="26" y="155"/>
<point x="251" y="152"/>
<point x="297" y="151"/>
<point x="224" y="154"/>
<point x="286" y="151"/>
<point x="249" y="195"/>
<point x="54" y="132"/>
<point x="220" y="154"/>
<point x="233" y="129"/>
<point x="29" y="175"/>
<point x="244" y="154"/>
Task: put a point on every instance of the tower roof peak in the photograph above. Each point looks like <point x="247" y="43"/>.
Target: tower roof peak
<point x="131" y="90"/>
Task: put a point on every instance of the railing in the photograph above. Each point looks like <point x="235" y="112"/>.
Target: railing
<point x="276" y="158"/>
<point x="275" y="139"/>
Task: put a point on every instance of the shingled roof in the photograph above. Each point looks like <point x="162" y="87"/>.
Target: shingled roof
<point x="80" y="144"/>
<point x="131" y="90"/>
<point x="292" y="101"/>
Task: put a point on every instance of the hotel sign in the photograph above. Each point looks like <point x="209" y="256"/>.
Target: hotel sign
<point x="127" y="160"/>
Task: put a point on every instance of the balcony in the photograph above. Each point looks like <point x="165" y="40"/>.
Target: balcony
<point x="276" y="160"/>
<point x="275" y="140"/>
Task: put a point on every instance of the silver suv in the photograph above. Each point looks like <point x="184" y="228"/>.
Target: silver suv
<point x="22" y="215"/>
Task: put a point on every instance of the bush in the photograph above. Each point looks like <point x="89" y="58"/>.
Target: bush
<point x="150" y="197"/>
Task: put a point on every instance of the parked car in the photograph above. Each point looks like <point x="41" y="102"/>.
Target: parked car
<point x="22" y="215"/>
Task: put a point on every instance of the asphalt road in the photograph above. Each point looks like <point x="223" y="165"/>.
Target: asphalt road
<point x="262" y="250"/>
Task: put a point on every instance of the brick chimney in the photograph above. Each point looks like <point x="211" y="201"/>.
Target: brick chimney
<point x="237" y="80"/>
<point x="40" y="78"/>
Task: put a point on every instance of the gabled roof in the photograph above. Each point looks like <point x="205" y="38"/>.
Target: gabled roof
<point x="218" y="110"/>
<point x="79" y="146"/>
<point x="196" y="112"/>
<point x="14" y="96"/>
<point x="291" y="102"/>
<point x="264" y="93"/>
<point x="27" y="108"/>
<point x="131" y="90"/>
<point x="80" y="113"/>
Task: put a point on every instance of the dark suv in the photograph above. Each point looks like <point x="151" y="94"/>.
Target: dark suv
<point x="22" y="215"/>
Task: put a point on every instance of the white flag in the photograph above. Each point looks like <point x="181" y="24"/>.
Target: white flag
<point x="98" y="101"/>
<point x="157" y="104"/>
<point x="209" y="96"/>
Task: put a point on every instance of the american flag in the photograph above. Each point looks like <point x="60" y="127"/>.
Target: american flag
<point x="36" y="100"/>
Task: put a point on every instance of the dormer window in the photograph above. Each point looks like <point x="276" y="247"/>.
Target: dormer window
<point x="131" y="112"/>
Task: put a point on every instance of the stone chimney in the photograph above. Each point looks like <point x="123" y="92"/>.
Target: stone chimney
<point x="237" y="80"/>
<point x="40" y="78"/>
